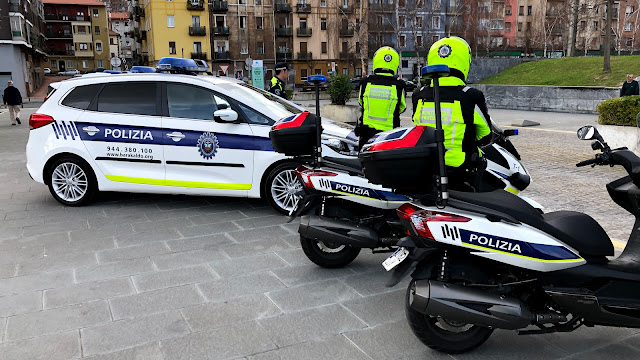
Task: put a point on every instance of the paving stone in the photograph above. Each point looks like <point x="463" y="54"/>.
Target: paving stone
<point x="309" y="273"/>
<point x="333" y="347"/>
<point x="263" y="221"/>
<point x="585" y="339"/>
<point x="187" y="258"/>
<point x="247" y="265"/>
<point x="124" y="334"/>
<point x="86" y="245"/>
<point x="209" y="229"/>
<point x="156" y="301"/>
<point x="302" y="326"/>
<point x="221" y="314"/>
<point x="224" y="343"/>
<point x="160" y="225"/>
<point x="190" y="203"/>
<point x="20" y="304"/>
<point x="229" y="288"/>
<point x="56" y="263"/>
<point x="81" y="293"/>
<point x="255" y="248"/>
<point x="132" y="252"/>
<point x="7" y="270"/>
<point x="200" y="242"/>
<point x="110" y="221"/>
<point x="378" y="309"/>
<point x="312" y="295"/>
<point x="170" y="278"/>
<point x="145" y="352"/>
<point x="15" y="253"/>
<point x="173" y="214"/>
<point x="107" y="232"/>
<point x="28" y="283"/>
<point x="368" y="261"/>
<point x="113" y="270"/>
<point x="620" y="351"/>
<point x="374" y="282"/>
<point x="132" y="208"/>
<point x="58" y="320"/>
<point x="259" y="234"/>
<point x="23" y="222"/>
<point x="217" y="218"/>
<point x="147" y="237"/>
<point x="54" y="228"/>
<point x="294" y="257"/>
<point x="61" y="346"/>
<point x="33" y="241"/>
<point x="293" y="240"/>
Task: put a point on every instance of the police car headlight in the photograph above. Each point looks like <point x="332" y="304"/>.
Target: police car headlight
<point x="340" y="146"/>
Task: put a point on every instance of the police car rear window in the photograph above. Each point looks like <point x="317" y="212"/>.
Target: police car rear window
<point x="81" y="96"/>
<point x="129" y="98"/>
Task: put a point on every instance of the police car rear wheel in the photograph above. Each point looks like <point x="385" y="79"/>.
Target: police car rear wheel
<point x="71" y="181"/>
<point x="282" y="186"/>
<point x="328" y="255"/>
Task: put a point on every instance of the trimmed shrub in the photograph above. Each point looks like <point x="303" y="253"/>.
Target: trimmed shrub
<point x="339" y="89"/>
<point x="619" y="111"/>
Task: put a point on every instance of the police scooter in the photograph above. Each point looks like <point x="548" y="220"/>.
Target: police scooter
<point x="485" y="261"/>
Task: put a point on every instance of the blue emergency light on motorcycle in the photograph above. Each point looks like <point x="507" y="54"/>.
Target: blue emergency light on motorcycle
<point x="431" y="70"/>
<point x="177" y="64"/>
<point x="314" y="78"/>
<point x="142" y="69"/>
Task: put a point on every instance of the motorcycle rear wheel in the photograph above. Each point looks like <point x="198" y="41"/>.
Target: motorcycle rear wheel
<point x="444" y="335"/>
<point x="328" y="255"/>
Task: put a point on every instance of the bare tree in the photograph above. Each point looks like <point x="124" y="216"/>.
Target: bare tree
<point x="607" y="38"/>
<point x="548" y="25"/>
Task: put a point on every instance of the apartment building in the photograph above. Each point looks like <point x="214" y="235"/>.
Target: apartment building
<point x="123" y="24"/>
<point x="628" y="32"/>
<point x="592" y="18"/>
<point x="22" y="45"/>
<point x="77" y="34"/>
<point x="178" y="28"/>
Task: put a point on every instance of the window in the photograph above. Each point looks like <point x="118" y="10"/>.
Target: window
<point x="244" y="50"/>
<point x="507" y="10"/>
<point x="323" y="3"/>
<point x="195" y="21"/>
<point x="126" y="23"/>
<point x="259" y="25"/>
<point x="85" y="64"/>
<point x="419" y="40"/>
<point x="170" y="21"/>
<point x="95" y="12"/>
<point x="100" y="63"/>
<point x="357" y="47"/>
<point x="529" y="10"/>
<point x="242" y="2"/>
<point x="172" y="47"/>
<point x="435" y="38"/>
<point x="54" y="64"/>
<point x="402" y="40"/>
<point x="243" y="22"/>
<point x="129" y="98"/>
<point x="69" y="64"/>
<point x="358" y="72"/>
<point x="303" y="23"/>
<point x="260" y="47"/>
<point x="627" y="27"/>
<point x="521" y="11"/>
<point x="519" y="27"/>
<point x="318" y="71"/>
<point x="81" y="96"/>
<point x="435" y="22"/>
<point x="402" y="21"/>
<point x="401" y="3"/>
<point x="345" y="46"/>
<point x="507" y="27"/>
<point x="436" y="5"/>
<point x="197" y="47"/>
<point x="83" y="46"/>
<point x="254" y="117"/>
<point x="324" y="47"/>
<point x="82" y="29"/>
<point x="627" y="42"/>
<point x="192" y="102"/>
<point x="303" y="74"/>
<point x="419" y="22"/>
<point x="96" y="30"/>
<point x="258" y="2"/>
<point x="345" y="71"/>
<point x="98" y="46"/>
<point x="323" y="24"/>
<point x="629" y="10"/>
<point x="595" y="25"/>
<point x="583" y="25"/>
<point x="112" y="41"/>
<point x="405" y="64"/>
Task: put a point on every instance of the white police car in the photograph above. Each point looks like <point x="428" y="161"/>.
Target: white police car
<point x="165" y="133"/>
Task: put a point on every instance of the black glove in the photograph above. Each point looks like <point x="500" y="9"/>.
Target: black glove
<point x="356" y="131"/>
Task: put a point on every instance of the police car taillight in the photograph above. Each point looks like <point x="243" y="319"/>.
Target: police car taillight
<point x="39" y="120"/>
<point x="418" y="218"/>
<point x="404" y="138"/>
<point x="305" y="174"/>
<point x="291" y="121"/>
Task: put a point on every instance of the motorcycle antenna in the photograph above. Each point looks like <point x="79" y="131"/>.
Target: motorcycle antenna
<point x="435" y="72"/>
<point x="317" y="150"/>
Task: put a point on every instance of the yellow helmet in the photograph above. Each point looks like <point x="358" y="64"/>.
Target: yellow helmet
<point x="452" y="51"/>
<point x="386" y="60"/>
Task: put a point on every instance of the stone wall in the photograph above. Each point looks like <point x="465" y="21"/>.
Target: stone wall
<point x="574" y="99"/>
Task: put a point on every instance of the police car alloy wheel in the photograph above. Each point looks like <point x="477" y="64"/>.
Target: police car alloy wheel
<point x="328" y="255"/>
<point x="71" y="181"/>
<point x="282" y="187"/>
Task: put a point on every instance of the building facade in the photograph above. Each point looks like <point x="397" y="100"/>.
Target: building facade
<point x="123" y="24"/>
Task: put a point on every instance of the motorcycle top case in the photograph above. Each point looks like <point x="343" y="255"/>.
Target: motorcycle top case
<point x="404" y="159"/>
<point x="295" y="135"/>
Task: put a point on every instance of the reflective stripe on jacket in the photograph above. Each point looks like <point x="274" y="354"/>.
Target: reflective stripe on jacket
<point x="383" y="100"/>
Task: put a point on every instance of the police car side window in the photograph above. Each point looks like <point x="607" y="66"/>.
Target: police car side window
<point x="129" y="98"/>
<point x="192" y="102"/>
<point x="254" y="117"/>
<point x="81" y="96"/>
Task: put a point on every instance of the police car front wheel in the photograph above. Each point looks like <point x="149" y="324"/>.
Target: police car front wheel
<point x="282" y="187"/>
<point x="71" y="181"/>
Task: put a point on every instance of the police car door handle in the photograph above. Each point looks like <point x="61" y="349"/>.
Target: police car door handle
<point x="176" y="136"/>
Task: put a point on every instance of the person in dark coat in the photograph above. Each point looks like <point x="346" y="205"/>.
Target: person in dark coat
<point x="629" y="87"/>
<point x="12" y="100"/>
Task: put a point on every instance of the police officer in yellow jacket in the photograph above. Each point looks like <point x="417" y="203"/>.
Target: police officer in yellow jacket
<point x="277" y="82"/>
<point x="381" y="96"/>
<point x="465" y="118"/>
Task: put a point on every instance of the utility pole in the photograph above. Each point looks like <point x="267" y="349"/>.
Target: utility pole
<point x="607" y="39"/>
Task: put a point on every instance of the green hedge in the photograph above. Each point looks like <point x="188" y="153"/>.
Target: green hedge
<point x="619" y="111"/>
<point x="339" y="89"/>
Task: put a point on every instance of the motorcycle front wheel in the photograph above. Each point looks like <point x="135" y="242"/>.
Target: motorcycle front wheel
<point x="444" y="335"/>
<point x="328" y="255"/>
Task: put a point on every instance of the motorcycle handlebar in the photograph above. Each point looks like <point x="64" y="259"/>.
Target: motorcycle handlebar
<point x="587" y="162"/>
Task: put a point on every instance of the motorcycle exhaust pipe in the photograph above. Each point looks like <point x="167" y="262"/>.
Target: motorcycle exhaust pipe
<point x="337" y="232"/>
<point x="469" y="306"/>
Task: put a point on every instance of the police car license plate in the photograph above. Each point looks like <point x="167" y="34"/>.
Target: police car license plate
<point x="396" y="258"/>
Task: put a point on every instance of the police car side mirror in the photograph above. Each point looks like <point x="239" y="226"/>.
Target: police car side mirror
<point x="225" y="116"/>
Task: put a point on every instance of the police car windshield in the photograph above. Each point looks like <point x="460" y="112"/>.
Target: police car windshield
<point x="261" y="99"/>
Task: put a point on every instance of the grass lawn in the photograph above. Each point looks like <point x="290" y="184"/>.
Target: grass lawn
<point x="575" y="71"/>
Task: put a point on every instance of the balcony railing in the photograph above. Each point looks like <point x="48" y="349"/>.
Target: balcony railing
<point x="304" y="32"/>
<point x="61" y="52"/>
<point x="346" y="32"/>
<point x="199" y="55"/>
<point x="197" y="31"/>
<point x="285" y="31"/>
<point x="282" y="6"/>
<point x="381" y="7"/>
<point x="305" y="56"/>
<point x="59" y="34"/>
<point x="345" y="10"/>
<point x="303" y="8"/>
<point x="284" y="55"/>
<point x="221" y="30"/>
<point x="221" y="55"/>
<point x="218" y="5"/>
<point x="196" y="5"/>
<point x="61" y="17"/>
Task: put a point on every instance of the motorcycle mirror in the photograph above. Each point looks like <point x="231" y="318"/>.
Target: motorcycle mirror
<point x="587" y="133"/>
<point x="510" y="132"/>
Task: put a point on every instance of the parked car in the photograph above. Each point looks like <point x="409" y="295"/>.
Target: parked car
<point x="410" y="85"/>
<point x="96" y="70"/>
<point x="47" y="71"/>
<point x="70" y="72"/>
<point x="356" y="83"/>
<point x="309" y="86"/>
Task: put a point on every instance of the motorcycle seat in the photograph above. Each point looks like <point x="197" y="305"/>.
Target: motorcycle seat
<point x="575" y="229"/>
<point x="350" y="162"/>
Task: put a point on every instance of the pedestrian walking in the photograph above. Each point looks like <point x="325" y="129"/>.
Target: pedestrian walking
<point x="629" y="87"/>
<point x="12" y="100"/>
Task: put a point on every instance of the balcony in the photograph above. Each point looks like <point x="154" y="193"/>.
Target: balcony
<point x="221" y="56"/>
<point x="305" y="56"/>
<point x="60" y="52"/>
<point x="382" y="7"/>
<point x="285" y="31"/>
<point x="59" y="35"/>
<point x="219" y="6"/>
<point x="283" y="56"/>
<point x="303" y="8"/>
<point x="345" y="10"/>
<point x="382" y="28"/>
<point x="14" y="7"/>
<point x="60" y="17"/>
<point x="346" y="32"/>
<point x="138" y="12"/>
<point x="221" y="30"/>
<point x="345" y="55"/>
<point x="195" y="5"/>
<point x="282" y="6"/>
<point x="197" y="31"/>
<point x="199" y="55"/>
<point x="304" y="32"/>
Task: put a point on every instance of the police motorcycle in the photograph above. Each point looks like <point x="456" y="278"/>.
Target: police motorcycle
<point x="485" y="261"/>
<point x="342" y="211"/>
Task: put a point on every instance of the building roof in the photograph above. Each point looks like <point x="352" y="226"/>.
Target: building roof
<point x="119" y="15"/>
<point x="113" y="33"/>
<point x="75" y="2"/>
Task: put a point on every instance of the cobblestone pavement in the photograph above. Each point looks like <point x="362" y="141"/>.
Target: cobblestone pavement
<point x="176" y="277"/>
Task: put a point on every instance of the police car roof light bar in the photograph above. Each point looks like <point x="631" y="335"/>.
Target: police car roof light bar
<point x="178" y="66"/>
<point x="436" y="72"/>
